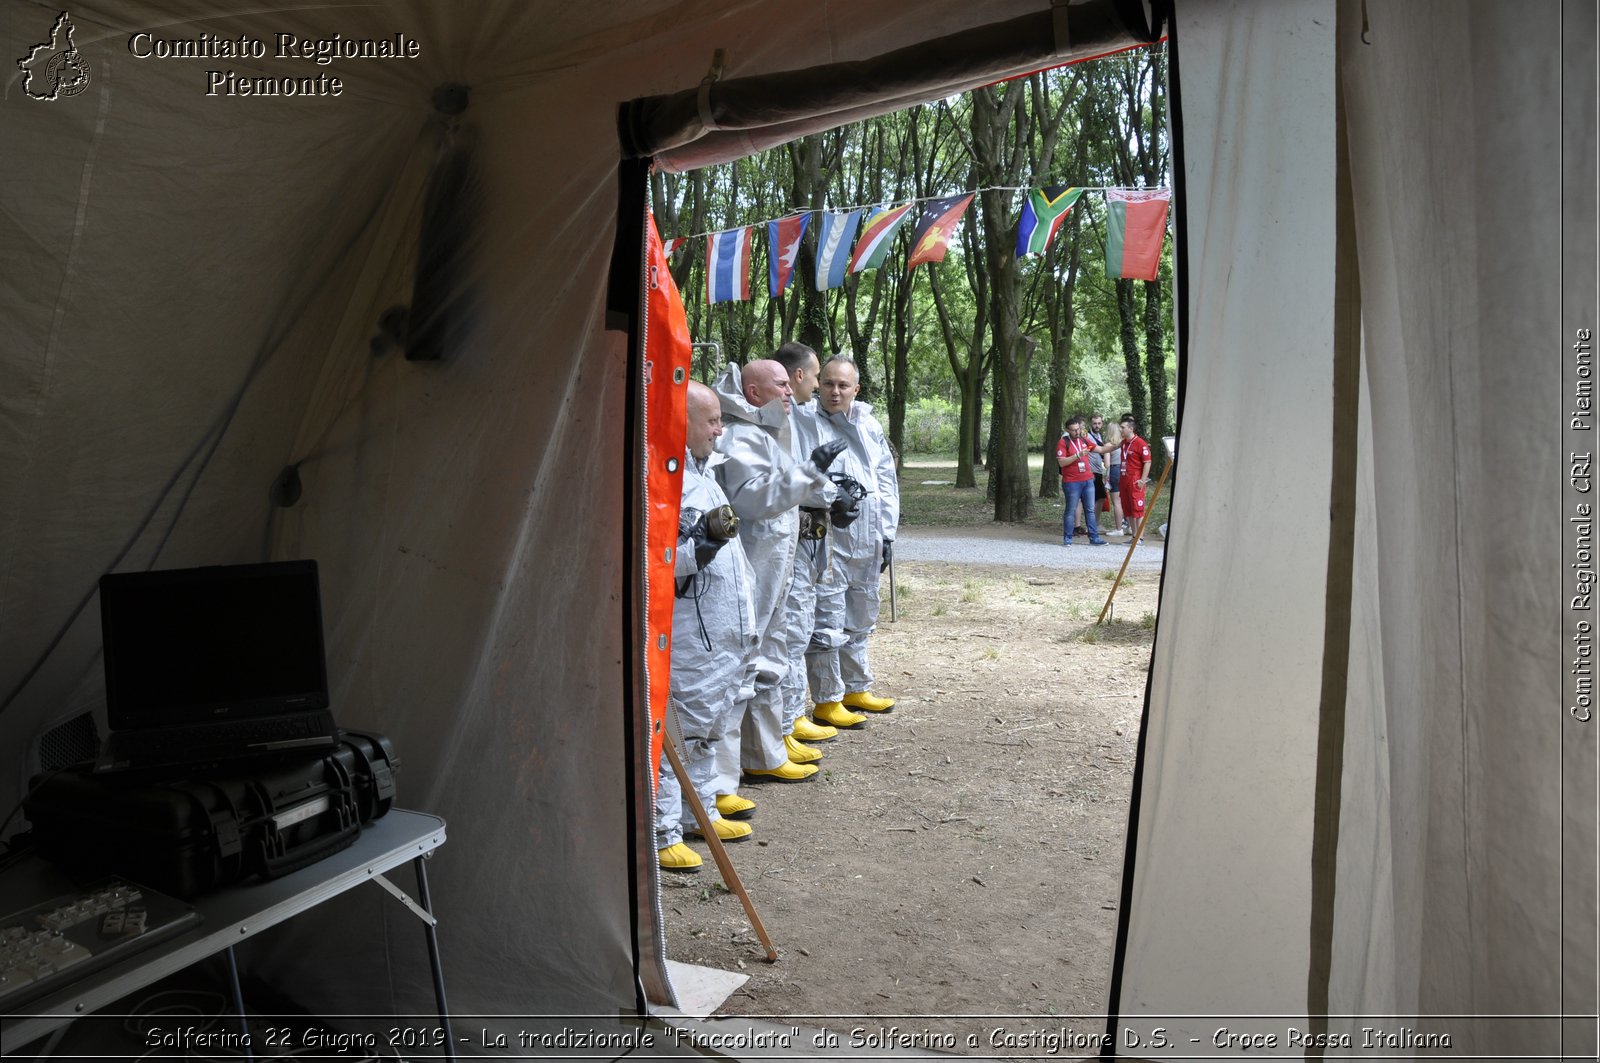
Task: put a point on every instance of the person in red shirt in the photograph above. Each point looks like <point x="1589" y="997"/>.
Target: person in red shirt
<point x="1135" y="472"/>
<point x="1077" y="481"/>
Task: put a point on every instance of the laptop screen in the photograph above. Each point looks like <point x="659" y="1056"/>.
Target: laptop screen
<point x="223" y="642"/>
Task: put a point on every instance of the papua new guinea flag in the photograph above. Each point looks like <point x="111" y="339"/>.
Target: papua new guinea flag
<point x="1136" y="221"/>
<point x="877" y="233"/>
<point x="835" y="233"/>
<point x="938" y="223"/>
<point x="728" y="266"/>
<point x="1043" y="211"/>
<point x="783" y="250"/>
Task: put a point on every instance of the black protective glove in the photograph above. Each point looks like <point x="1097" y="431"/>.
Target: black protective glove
<point x="888" y="553"/>
<point x="846" y="505"/>
<point x="692" y="529"/>
<point x="823" y="456"/>
<point x="844" y="511"/>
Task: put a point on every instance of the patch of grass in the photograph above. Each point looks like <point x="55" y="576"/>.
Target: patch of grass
<point x="971" y="591"/>
<point x="1148" y="620"/>
<point x="1108" y="574"/>
<point x="1090" y="635"/>
<point x="991" y="654"/>
<point x="941" y="609"/>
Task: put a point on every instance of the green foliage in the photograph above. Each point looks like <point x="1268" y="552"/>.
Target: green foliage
<point x="932" y="425"/>
<point x="1093" y="124"/>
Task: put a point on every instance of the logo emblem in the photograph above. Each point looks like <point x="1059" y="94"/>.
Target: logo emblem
<point x="55" y="68"/>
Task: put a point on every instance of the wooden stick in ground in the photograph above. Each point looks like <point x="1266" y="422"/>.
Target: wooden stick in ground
<point x="891" y="588"/>
<point x="714" y="843"/>
<point x="1138" y="533"/>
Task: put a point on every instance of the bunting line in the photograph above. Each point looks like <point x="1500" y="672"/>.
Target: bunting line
<point x="1136" y="227"/>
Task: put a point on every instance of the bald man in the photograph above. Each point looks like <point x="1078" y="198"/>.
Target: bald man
<point x="713" y="636"/>
<point x="767" y="482"/>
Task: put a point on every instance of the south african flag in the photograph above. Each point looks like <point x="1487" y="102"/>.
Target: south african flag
<point x="1042" y="214"/>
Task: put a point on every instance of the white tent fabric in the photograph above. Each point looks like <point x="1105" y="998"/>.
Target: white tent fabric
<point x="196" y="283"/>
<point x="1451" y="891"/>
<point x="1233" y="699"/>
<point x="193" y="286"/>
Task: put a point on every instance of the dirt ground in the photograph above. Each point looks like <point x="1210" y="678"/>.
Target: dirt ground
<point x="960" y="857"/>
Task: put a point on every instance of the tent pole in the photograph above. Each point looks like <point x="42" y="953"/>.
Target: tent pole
<point x="714" y="843"/>
<point x="1138" y="533"/>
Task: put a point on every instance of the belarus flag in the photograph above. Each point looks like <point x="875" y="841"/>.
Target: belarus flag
<point x="728" y="266"/>
<point x="783" y="250"/>
<point x="1136" y="221"/>
<point x="876" y="236"/>
<point x="835" y="233"/>
<point x="1042" y="214"/>
<point x="932" y="238"/>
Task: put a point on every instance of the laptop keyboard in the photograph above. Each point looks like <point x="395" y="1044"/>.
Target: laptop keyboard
<point x="224" y="740"/>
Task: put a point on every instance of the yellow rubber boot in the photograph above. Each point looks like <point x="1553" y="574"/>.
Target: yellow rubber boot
<point x="788" y="771"/>
<point x="732" y="806"/>
<point x="836" y="715"/>
<point x="866" y="702"/>
<point x="727" y="830"/>
<point x="678" y="857"/>
<point x="807" y="731"/>
<point x="799" y="752"/>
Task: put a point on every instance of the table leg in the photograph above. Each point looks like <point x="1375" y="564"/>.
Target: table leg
<point x="433" y="958"/>
<point x="238" y="1003"/>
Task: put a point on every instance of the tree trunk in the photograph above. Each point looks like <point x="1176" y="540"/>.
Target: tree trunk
<point x="1127" y="312"/>
<point x="1000" y="130"/>
<point x="1063" y="322"/>
<point x="1155" y="367"/>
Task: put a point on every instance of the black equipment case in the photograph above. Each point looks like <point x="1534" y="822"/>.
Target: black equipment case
<point x="188" y="836"/>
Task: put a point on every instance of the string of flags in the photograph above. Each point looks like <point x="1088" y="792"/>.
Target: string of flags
<point x="852" y="241"/>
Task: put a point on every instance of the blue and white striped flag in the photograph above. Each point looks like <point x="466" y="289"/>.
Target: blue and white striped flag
<point x="834" y="237"/>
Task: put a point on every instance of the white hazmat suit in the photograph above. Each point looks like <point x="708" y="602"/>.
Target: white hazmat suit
<point x="847" y="601"/>
<point x="812" y="566"/>
<point x="766" y="483"/>
<point x="713" y="636"/>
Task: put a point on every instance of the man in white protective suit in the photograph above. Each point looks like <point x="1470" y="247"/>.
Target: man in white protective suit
<point x="713" y="636"/>
<point x="810" y="560"/>
<point x="847" y="606"/>
<point x="767" y="482"/>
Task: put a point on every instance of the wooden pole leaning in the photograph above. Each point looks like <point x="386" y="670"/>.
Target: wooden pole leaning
<point x="1138" y="533"/>
<point x="714" y="843"/>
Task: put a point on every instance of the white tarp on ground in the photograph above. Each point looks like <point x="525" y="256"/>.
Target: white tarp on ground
<point x="193" y="282"/>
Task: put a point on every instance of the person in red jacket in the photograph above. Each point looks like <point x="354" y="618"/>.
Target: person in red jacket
<point x="1077" y="481"/>
<point x="1135" y="472"/>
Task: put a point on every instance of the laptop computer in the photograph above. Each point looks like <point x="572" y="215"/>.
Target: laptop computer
<point x="214" y="668"/>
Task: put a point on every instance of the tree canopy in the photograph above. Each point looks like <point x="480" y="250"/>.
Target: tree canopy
<point x="1007" y="347"/>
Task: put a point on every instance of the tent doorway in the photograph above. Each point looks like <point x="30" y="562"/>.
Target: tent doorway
<point x="1009" y="765"/>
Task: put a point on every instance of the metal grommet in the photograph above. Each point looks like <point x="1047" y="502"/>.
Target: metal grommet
<point x="661" y="642"/>
<point x="666" y="555"/>
<point x="678" y="374"/>
<point x="672" y="464"/>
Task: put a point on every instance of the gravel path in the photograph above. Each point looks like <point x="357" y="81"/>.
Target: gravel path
<point x="1000" y="545"/>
